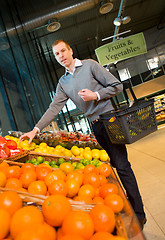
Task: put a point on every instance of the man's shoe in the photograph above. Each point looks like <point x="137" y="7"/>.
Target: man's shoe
<point x="142" y="222"/>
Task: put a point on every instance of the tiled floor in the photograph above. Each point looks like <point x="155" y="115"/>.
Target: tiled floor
<point x="147" y="157"/>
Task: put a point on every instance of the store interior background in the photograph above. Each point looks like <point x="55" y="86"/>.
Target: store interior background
<point x="29" y="72"/>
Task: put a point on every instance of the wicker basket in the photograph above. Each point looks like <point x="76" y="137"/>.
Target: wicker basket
<point x="16" y="157"/>
<point x="46" y="157"/>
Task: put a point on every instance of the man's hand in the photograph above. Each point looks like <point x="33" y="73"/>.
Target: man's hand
<point x="87" y="95"/>
<point x="30" y="135"/>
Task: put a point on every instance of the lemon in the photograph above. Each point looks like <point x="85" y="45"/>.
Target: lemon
<point x="24" y="144"/>
<point x="81" y="150"/>
<point x="44" y="150"/>
<point x="87" y="149"/>
<point x="37" y="149"/>
<point x="8" y="137"/>
<point x="88" y="155"/>
<point x="103" y="155"/>
<point x="32" y="145"/>
<point x="67" y="153"/>
<point x="96" y="153"/>
<point x="57" y="152"/>
<point x="43" y="145"/>
<point x="75" y="150"/>
<point x="59" y="147"/>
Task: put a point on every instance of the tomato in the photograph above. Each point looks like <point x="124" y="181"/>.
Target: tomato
<point x="4" y="152"/>
<point x="11" y="144"/>
<point x="2" y="140"/>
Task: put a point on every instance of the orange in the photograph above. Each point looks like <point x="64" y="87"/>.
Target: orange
<point x="90" y="168"/>
<point x="72" y="187"/>
<point x="4" y="166"/>
<point x="42" y="172"/>
<point x="108" y="188"/>
<point x="58" y="187"/>
<point x="101" y="235"/>
<point x="55" y="208"/>
<point x="38" y="232"/>
<point x="27" y="166"/>
<point x="97" y="192"/>
<point x="76" y="176"/>
<point x="13" y="172"/>
<point x="2" y="179"/>
<point x="78" y="223"/>
<point x="5" y="220"/>
<point x="105" y="169"/>
<point x="103" y="218"/>
<point x="72" y="237"/>
<point x="27" y="177"/>
<point x="24" y="219"/>
<point x="92" y="178"/>
<point x="22" y="189"/>
<point x="86" y="190"/>
<point x="60" y="233"/>
<point x="10" y="201"/>
<point x="43" y="165"/>
<point x="55" y="175"/>
<point x="103" y="179"/>
<point x="80" y="170"/>
<point x="37" y="187"/>
<point x="83" y="199"/>
<point x="66" y="167"/>
<point x="115" y="202"/>
<point x="13" y="183"/>
<point x="98" y="200"/>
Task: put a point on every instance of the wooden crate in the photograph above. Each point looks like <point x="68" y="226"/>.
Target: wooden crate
<point x="126" y="221"/>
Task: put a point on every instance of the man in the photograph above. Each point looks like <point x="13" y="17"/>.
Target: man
<point x="90" y="86"/>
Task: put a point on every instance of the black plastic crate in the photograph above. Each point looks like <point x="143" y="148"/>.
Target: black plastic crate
<point x="131" y="124"/>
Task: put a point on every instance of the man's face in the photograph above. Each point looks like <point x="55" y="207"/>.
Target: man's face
<point x="63" y="55"/>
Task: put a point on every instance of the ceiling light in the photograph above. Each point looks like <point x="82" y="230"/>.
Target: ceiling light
<point x="126" y="20"/>
<point x="105" y="6"/>
<point x="53" y="25"/>
<point x="117" y="22"/>
<point x="4" y="46"/>
<point x="121" y="20"/>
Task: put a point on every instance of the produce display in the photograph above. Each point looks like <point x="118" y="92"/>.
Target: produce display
<point x="159" y="104"/>
<point x="75" y="151"/>
<point x="88" y="185"/>
<point x="63" y="138"/>
<point x="56" y="193"/>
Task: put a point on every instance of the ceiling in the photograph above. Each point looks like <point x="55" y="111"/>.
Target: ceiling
<point x="82" y="25"/>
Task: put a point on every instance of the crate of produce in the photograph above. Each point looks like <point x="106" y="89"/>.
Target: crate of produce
<point x="125" y="126"/>
<point x="126" y="225"/>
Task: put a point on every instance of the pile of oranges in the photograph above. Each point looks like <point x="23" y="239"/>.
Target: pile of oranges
<point x="55" y="221"/>
<point x="58" y="221"/>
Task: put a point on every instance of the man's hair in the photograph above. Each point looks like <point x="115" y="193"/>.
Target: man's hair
<point x="61" y="40"/>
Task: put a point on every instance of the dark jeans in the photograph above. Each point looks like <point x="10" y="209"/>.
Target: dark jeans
<point x="119" y="160"/>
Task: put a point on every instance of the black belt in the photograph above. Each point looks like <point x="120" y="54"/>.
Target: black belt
<point x="95" y="121"/>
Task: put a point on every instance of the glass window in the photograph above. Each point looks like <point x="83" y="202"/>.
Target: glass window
<point x="70" y="106"/>
<point x="124" y="74"/>
<point x="152" y="63"/>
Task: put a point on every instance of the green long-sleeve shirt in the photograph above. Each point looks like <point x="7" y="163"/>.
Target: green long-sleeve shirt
<point x="90" y="75"/>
